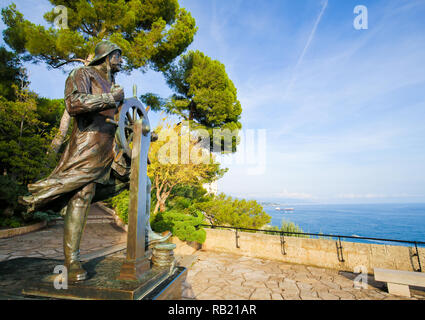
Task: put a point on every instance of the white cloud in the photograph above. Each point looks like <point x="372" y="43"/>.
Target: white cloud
<point x="353" y="196"/>
<point x="306" y="47"/>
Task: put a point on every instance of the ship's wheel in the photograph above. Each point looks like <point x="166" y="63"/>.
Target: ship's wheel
<point x="131" y="110"/>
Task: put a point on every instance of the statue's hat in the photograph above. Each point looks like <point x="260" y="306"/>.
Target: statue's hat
<point x="103" y="49"/>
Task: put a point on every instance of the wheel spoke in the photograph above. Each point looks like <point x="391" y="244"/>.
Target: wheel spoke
<point x="135" y="114"/>
<point x="130" y="119"/>
<point x="129" y="114"/>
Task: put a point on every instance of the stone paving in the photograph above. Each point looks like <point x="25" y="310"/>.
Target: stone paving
<point x="222" y="276"/>
<point x="214" y="276"/>
<point x="47" y="243"/>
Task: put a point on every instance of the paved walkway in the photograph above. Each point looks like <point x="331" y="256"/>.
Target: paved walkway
<point x="47" y="243"/>
<point x="214" y="276"/>
<point x="222" y="276"/>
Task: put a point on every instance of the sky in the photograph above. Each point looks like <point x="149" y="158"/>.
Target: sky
<point x="336" y="114"/>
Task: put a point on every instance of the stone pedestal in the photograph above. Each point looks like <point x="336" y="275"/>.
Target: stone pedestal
<point x="134" y="270"/>
<point x="102" y="284"/>
<point x="163" y="255"/>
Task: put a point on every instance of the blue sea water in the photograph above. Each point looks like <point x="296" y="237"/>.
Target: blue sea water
<point x="388" y="221"/>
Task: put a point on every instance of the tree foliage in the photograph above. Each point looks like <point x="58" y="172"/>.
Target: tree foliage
<point x="24" y="139"/>
<point x="11" y="73"/>
<point x="9" y="192"/>
<point x="50" y="111"/>
<point x="168" y="167"/>
<point x="225" y="211"/>
<point x="204" y="95"/>
<point x="184" y="196"/>
<point x="150" y="32"/>
<point x="27" y="125"/>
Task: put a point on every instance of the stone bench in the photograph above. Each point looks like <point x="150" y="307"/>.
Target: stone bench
<point x="398" y="282"/>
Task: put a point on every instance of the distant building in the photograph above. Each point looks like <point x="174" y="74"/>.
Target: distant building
<point x="212" y="188"/>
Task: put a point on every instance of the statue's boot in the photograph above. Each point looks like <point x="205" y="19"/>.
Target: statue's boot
<point x="75" y="221"/>
<point x="154" y="238"/>
<point x="76" y="271"/>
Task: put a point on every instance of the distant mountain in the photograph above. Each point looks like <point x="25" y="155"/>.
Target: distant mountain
<point x="282" y="201"/>
<point x="272" y="204"/>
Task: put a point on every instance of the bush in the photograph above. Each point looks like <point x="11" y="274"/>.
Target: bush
<point x="184" y="226"/>
<point x="9" y="192"/>
<point x="271" y="228"/>
<point x="12" y="222"/>
<point x="45" y="216"/>
<point x="288" y="226"/>
<point x="225" y="211"/>
<point x="179" y="203"/>
<point x="120" y="204"/>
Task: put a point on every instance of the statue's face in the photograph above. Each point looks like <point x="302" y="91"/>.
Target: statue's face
<point x="115" y="61"/>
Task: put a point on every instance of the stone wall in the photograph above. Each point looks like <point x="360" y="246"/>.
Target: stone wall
<point x="13" y="232"/>
<point x="185" y="248"/>
<point x="316" y="252"/>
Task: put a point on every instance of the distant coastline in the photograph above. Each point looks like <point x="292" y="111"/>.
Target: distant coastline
<point x="399" y="221"/>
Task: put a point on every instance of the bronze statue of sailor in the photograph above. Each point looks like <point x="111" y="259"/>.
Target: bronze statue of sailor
<point x="92" y="168"/>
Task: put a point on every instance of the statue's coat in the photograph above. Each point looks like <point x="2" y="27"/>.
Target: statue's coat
<point x="92" y="151"/>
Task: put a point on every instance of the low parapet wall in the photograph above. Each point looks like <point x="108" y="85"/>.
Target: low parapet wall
<point x="13" y="232"/>
<point x="316" y="252"/>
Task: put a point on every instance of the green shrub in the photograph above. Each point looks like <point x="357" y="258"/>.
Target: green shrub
<point x="9" y="192"/>
<point x="289" y="227"/>
<point x="45" y="216"/>
<point x="12" y="222"/>
<point x="179" y="203"/>
<point x="184" y="226"/>
<point x="271" y="228"/>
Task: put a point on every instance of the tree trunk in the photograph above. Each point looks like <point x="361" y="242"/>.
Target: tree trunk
<point x="161" y="199"/>
<point x="191" y="110"/>
<point x="164" y="196"/>
<point x="20" y="132"/>
<point x="155" y="211"/>
<point x="162" y="206"/>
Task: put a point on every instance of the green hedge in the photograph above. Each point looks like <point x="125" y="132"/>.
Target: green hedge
<point x="12" y="222"/>
<point x="120" y="204"/>
<point x="184" y="226"/>
<point x="183" y="220"/>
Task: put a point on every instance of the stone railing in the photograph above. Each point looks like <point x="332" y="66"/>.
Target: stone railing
<point x="344" y="256"/>
<point x="351" y="256"/>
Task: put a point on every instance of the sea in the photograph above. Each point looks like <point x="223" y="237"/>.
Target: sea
<point x="384" y="221"/>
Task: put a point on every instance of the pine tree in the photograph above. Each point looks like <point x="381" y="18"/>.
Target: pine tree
<point x="151" y="33"/>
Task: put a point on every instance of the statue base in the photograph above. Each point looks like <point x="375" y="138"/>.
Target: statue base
<point x="103" y="283"/>
<point x="134" y="270"/>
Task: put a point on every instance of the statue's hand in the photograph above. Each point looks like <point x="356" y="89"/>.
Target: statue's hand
<point x="117" y="92"/>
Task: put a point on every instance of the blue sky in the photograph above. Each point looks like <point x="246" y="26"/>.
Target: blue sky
<point x="343" y="109"/>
